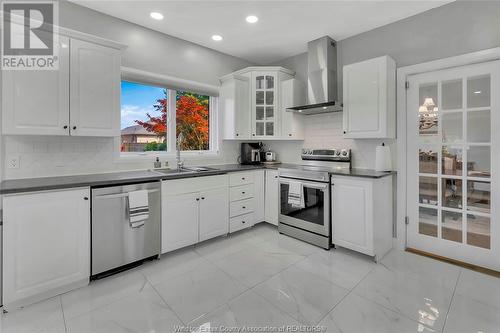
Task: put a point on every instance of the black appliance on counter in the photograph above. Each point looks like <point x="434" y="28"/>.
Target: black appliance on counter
<point x="251" y="153"/>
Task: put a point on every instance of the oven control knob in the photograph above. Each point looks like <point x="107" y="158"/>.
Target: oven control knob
<point x="344" y="152"/>
<point x="337" y="153"/>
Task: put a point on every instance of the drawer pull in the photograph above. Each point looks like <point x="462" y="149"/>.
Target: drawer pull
<point x="243" y="207"/>
<point x="242" y="178"/>
<point x="243" y="192"/>
<point x="243" y="222"/>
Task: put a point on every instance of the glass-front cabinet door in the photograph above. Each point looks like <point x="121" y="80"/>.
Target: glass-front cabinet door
<point x="453" y="155"/>
<point x="264" y="104"/>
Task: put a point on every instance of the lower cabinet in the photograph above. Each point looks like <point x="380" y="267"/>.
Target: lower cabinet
<point x="213" y="213"/>
<point x="179" y="220"/>
<point x="46" y="244"/>
<point x="193" y="210"/>
<point x="272" y="197"/>
<point x="362" y="214"/>
<point x="246" y="199"/>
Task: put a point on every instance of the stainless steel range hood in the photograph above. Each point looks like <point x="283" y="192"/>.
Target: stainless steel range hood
<point x="321" y="78"/>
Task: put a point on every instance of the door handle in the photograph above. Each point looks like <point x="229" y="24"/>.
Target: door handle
<point x="197" y="199"/>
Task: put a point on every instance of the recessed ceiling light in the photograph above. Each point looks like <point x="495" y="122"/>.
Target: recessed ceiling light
<point x="252" y="19"/>
<point x="156" y="16"/>
<point x="477" y="92"/>
<point x="217" y="38"/>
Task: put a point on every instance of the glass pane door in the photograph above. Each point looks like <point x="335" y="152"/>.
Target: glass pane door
<point x="450" y="151"/>
<point x="265" y="105"/>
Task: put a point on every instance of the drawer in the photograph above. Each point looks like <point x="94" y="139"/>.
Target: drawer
<point x="241" y="207"/>
<point x="240" y="178"/>
<point x="241" y="222"/>
<point x="241" y="192"/>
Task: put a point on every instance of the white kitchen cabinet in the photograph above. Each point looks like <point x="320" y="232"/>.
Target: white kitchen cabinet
<point x="94" y="89"/>
<point x="251" y="103"/>
<point x="272" y="197"/>
<point x="293" y="93"/>
<point x="194" y="210"/>
<point x="362" y="214"/>
<point x="81" y="98"/>
<point x="259" y="195"/>
<point x="37" y="102"/>
<point x="213" y="213"/>
<point x="369" y="98"/>
<point x="46" y="244"/>
<point x="234" y="101"/>
<point x="265" y="104"/>
<point x="179" y="220"/>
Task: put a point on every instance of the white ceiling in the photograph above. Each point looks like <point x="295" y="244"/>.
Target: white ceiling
<point x="283" y="29"/>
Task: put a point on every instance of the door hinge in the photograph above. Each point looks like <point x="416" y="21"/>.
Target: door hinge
<point x="407" y="220"/>
<point x="407" y="85"/>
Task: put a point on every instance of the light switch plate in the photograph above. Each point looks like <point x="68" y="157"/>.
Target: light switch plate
<point x="13" y="162"/>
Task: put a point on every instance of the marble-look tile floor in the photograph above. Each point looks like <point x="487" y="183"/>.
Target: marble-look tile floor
<point x="259" y="278"/>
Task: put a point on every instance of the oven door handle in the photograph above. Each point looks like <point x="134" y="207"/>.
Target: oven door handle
<point x="322" y="187"/>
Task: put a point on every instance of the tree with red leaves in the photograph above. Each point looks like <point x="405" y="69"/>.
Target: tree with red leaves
<point x="192" y="120"/>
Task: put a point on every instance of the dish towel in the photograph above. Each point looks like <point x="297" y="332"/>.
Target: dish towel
<point x="295" y="195"/>
<point x="138" y="207"/>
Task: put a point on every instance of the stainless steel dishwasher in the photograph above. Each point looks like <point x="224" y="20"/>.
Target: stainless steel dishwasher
<point x="118" y="244"/>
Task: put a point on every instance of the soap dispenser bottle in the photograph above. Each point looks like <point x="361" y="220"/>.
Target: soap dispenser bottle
<point x="157" y="163"/>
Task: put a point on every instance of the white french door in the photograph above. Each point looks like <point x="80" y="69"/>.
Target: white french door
<point x="453" y="156"/>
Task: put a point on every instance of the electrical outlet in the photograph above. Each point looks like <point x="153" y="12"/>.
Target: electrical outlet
<point x="13" y="162"/>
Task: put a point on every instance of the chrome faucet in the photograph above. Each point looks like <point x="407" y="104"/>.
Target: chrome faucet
<point x="180" y="164"/>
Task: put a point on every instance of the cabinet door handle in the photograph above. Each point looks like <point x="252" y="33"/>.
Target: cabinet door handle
<point x="65" y="126"/>
<point x="237" y="134"/>
<point x="243" y="207"/>
<point x="253" y="134"/>
<point x="345" y="132"/>
<point x="289" y="135"/>
<point x="243" y="192"/>
<point x="243" y="222"/>
<point x="74" y="127"/>
<point x="197" y="199"/>
<point x="242" y="178"/>
<point x="202" y="198"/>
<point x="85" y="198"/>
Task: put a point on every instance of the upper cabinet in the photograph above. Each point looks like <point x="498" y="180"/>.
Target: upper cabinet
<point x="94" y="90"/>
<point x="37" y="102"/>
<point x="293" y="93"/>
<point x="369" y="97"/>
<point x="234" y="101"/>
<point x="82" y="98"/>
<point x="258" y="112"/>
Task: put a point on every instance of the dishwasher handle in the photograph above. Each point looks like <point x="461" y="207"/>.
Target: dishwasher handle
<point x="118" y="195"/>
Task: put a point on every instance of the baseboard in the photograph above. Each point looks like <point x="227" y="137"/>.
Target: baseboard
<point x="455" y="262"/>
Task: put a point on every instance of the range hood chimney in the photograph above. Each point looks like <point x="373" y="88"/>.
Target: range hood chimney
<point x="321" y="78"/>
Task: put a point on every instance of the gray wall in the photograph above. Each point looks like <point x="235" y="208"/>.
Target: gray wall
<point x="150" y="50"/>
<point x="453" y="29"/>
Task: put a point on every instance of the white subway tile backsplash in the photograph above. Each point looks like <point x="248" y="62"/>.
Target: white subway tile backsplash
<point x="45" y="156"/>
<point x="325" y="131"/>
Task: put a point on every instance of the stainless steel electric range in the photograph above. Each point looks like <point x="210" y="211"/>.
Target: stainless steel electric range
<point x="305" y="195"/>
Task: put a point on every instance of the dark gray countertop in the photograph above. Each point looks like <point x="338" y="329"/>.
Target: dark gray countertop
<point x="125" y="177"/>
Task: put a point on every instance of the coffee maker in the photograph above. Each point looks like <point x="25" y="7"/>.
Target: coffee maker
<point x="251" y="153"/>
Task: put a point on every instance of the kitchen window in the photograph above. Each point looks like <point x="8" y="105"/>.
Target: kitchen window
<point x="153" y="116"/>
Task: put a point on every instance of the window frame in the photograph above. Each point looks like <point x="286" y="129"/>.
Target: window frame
<point x="170" y="152"/>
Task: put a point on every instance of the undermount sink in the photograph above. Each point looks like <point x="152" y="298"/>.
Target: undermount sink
<point x="185" y="170"/>
<point x="199" y="169"/>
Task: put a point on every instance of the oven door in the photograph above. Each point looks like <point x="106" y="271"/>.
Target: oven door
<point x="315" y="216"/>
